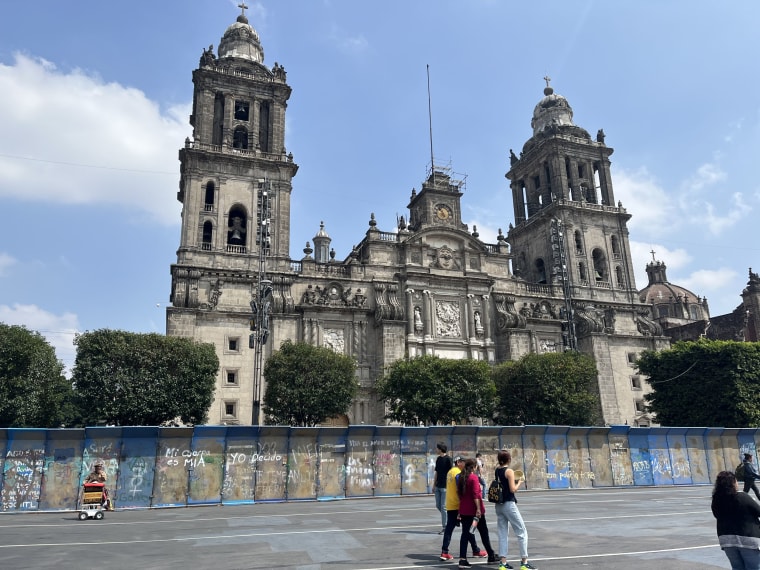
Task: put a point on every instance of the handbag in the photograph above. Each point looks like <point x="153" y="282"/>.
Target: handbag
<point x="496" y="491"/>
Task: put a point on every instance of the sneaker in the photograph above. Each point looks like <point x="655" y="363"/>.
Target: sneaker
<point x="480" y="553"/>
<point x="463" y="563"/>
<point x="445" y="556"/>
<point x="505" y="566"/>
<point x="527" y="566"/>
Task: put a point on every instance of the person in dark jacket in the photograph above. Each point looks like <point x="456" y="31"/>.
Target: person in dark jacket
<point x="750" y="475"/>
<point x="737" y="523"/>
<point x="443" y="465"/>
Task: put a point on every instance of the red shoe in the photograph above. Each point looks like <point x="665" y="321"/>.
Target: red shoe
<point x="480" y="554"/>
<point x="445" y="556"/>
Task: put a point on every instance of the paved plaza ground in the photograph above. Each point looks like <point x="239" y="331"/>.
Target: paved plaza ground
<point x="610" y="529"/>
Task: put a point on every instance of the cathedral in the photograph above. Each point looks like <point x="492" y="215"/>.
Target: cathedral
<point x="561" y="278"/>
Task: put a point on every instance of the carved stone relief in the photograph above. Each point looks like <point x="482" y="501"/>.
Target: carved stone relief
<point x="448" y="319"/>
<point x="334" y="340"/>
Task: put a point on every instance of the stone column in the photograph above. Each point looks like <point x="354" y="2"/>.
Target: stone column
<point x="518" y="201"/>
<point x="410" y="311"/>
<point x="428" y="313"/>
<point x="485" y="314"/>
<point x="470" y="308"/>
<point x="574" y="183"/>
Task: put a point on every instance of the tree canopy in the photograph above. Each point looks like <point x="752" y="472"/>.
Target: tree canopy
<point x="548" y="389"/>
<point x="430" y="390"/>
<point x="126" y="378"/>
<point x="704" y="383"/>
<point x="33" y="389"/>
<point x="305" y="384"/>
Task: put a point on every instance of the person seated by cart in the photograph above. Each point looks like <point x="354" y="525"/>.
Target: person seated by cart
<point x="98" y="475"/>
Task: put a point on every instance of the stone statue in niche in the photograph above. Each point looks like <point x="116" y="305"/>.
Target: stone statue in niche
<point x="418" y="326"/>
<point x="478" y="323"/>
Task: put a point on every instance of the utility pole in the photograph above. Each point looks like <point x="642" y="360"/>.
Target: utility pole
<point x="261" y="297"/>
<point x="559" y="269"/>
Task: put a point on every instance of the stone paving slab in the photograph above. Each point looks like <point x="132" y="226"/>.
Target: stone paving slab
<point x="610" y="529"/>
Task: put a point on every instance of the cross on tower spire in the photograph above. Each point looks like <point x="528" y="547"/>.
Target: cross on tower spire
<point x="653" y="252"/>
<point x="547" y="79"/>
<point x="243" y="8"/>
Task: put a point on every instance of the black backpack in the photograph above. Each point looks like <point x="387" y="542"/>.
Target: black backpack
<point x="739" y="472"/>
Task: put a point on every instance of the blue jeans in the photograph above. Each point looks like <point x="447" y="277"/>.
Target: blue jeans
<point x="440" y="503"/>
<point x="743" y="558"/>
<point x="507" y="514"/>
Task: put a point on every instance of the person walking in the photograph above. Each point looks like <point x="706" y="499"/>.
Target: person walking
<point x="507" y="514"/>
<point x="750" y="475"/>
<point x="737" y="523"/>
<point x="443" y="465"/>
<point x="452" y="513"/>
<point x="472" y="513"/>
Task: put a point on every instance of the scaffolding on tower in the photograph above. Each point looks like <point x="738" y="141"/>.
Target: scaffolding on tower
<point x="261" y="297"/>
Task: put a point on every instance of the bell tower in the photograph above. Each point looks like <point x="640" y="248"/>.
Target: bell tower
<point x="566" y="219"/>
<point x="235" y="187"/>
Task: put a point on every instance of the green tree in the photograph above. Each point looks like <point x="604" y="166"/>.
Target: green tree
<point x="130" y="379"/>
<point x="548" y="389"/>
<point x="704" y="383"/>
<point x="308" y="384"/>
<point x="432" y="390"/>
<point x="33" y="389"/>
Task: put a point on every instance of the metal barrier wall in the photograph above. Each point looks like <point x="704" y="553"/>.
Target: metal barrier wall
<point x="163" y="467"/>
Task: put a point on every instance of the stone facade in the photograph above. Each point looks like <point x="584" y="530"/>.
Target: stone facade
<point x="560" y="278"/>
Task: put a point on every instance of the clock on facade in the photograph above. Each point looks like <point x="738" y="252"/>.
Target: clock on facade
<point x="443" y="212"/>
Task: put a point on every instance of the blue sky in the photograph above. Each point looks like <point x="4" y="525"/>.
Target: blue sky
<point x="95" y="98"/>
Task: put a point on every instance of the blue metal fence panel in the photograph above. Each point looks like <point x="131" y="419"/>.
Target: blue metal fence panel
<point x="557" y="460"/>
<point x="240" y="460"/>
<point x="63" y="463"/>
<point x="22" y="469"/>
<point x="679" y="456"/>
<point x="137" y="467"/>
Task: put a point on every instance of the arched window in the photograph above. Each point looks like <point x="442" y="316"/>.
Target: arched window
<point x="209" y="200"/>
<point x="236" y="228"/>
<point x="663" y="311"/>
<point x="540" y="271"/>
<point x="240" y="138"/>
<point x="600" y="265"/>
<point x="615" y="247"/>
<point x="694" y="311"/>
<point x="578" y="242"/>
<point x="619" y="277"/>
<point x="208" y="235"/>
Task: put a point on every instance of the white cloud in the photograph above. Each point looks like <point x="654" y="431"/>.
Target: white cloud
<point x="706" y="280"/>
<point x="701" y="211"/>
<point x="72" y="138"/>
<point x="707" y="174"/>
<point x="716" y="223"/>
<point x="59" y="330"/>
<point x="5" y="262"/>
<point x="347" y="43"/>
<point x="652" y="209"/>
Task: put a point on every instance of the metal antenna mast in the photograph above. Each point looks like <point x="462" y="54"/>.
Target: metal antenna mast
<point x="430" y="123"/>
<point x="261" y="297"/>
